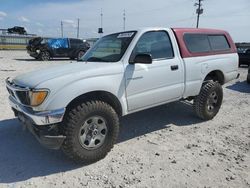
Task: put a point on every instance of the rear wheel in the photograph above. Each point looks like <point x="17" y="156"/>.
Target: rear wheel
<point x="91" y="130"/>
<point x="208" y="102"/>
<point x="44" y="56"/>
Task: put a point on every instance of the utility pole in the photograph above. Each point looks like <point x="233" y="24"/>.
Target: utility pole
<point x="199" y="11"/>
<point x="124" y="20"/>
<point x="100" y="29"/>
<point x="78" y="23"/>
<point x="101" y="18"/>
<point x="62" y="28"/>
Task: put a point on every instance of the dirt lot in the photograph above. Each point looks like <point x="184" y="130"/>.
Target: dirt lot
<point x="165" y="146"/>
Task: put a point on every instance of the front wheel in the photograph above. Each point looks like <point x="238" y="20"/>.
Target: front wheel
<point x="44" y="56"/>
<point x="208" y="102"/>
<point x="91" y="130"/>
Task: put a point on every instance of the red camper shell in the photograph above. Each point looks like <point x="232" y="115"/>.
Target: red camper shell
<point x="203" y="42"/>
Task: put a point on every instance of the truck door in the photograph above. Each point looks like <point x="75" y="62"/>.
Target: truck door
<point x="156" y="83"/>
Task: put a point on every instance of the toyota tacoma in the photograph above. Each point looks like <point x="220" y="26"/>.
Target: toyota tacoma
<point x="76" y="107"/>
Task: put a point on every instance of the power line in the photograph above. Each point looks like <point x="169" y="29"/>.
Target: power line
<point x="199" y="11"/>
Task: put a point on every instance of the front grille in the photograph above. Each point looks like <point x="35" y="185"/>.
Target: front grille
<point x="11" y="92"/>
<point x="20" y="93"/>
<point x="23" y="96"/>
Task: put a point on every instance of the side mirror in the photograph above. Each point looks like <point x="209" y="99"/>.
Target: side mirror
<point x="142" y="58"/>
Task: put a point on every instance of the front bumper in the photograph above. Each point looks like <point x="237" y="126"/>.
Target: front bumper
<point x="44" y="125"/>
<point x="39" y="118"/>
<point x="49" y="135"/>
<point x="33" y="54"/>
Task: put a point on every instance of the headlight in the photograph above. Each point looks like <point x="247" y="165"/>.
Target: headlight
<point x="37" y="97"/>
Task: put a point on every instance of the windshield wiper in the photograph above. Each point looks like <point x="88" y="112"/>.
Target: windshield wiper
<point x="91" y="59"/>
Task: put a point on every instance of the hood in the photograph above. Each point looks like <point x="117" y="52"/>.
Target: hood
<point x="35" y="41"/>
<point x="68" y="71"/>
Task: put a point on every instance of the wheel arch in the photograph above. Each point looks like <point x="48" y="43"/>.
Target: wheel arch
<point x="101" y="95"/>
<point x="215" y="75"/>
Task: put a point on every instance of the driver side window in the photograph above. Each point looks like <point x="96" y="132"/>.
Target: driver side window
<point x="155" y="43"/>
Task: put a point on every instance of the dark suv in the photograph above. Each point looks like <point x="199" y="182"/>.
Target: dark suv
<point x="244" y="56"/>
<point x="45" y="49"/>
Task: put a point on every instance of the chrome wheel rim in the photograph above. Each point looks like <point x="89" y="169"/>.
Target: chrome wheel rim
<point x="93" y="132"/>
<point x="212" y="101"/>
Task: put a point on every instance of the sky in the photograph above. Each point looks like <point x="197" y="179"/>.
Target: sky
<point x="43" y="17"/>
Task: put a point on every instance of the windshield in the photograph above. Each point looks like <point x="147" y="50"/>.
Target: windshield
<point x="109" y="48"/>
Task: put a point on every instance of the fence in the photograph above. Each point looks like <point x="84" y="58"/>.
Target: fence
<point x="8" y="42"/>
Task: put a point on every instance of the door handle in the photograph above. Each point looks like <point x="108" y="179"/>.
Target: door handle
<point x="174" y="67"/>
<point x="135" y="78"/>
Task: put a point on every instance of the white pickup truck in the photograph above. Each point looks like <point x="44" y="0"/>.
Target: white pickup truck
<point x="76" y="107"/>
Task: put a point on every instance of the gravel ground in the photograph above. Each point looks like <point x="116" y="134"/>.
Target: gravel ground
<point x="167" y="146"/>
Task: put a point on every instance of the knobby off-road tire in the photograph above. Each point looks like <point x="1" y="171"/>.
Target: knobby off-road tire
<point x="78" y="129"/>
<point x="208" y="102"/>
<point x="44" y="56"/>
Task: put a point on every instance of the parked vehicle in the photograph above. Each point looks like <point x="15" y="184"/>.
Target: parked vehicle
<point x="76" y="107"/>
<point x="248" y="75"/>
<point x="42" y="49"/>
<point x="244" y="56"/>
<point x="17" y="30"/>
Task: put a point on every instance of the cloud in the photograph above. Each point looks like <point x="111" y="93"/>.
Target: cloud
<point x="23" y="19"/>
<point x="70" y="23"/>
<point x="39" y="24"/>
<point x="2" y="15"/>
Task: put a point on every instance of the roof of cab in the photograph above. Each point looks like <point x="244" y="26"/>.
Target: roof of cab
<point x="198" y="30"/>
